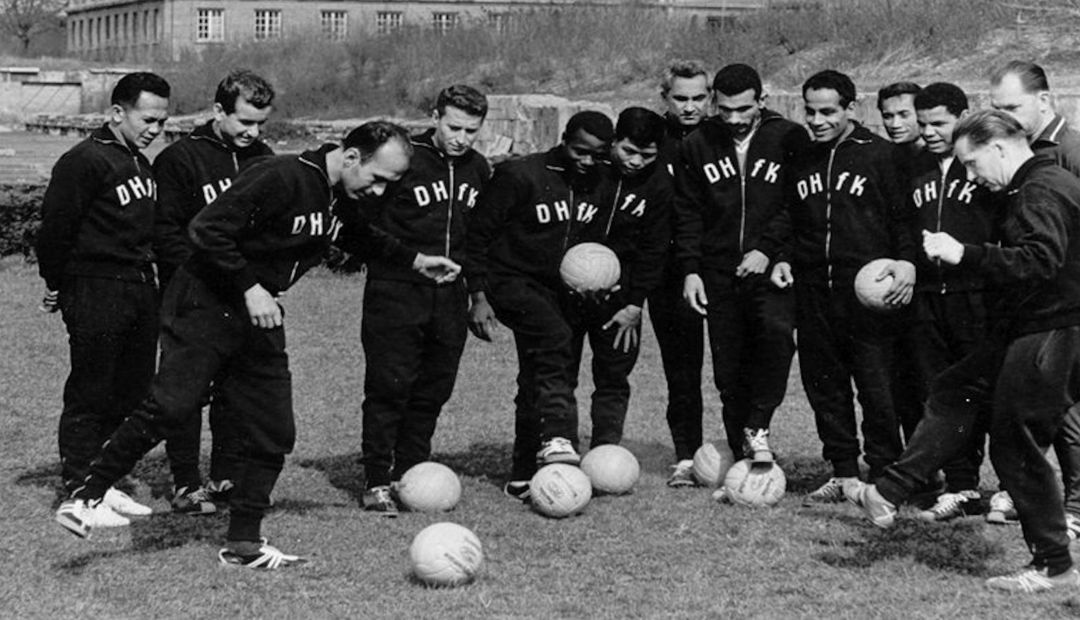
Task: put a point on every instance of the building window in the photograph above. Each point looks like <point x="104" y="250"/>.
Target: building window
<point x="443" y="22"/>
<point x="210" y="25"/>
<point x="267" y="24"/>
<point x="499" y="21"/>
<point x="387" y="21"/>
<point x="335" y="25"/>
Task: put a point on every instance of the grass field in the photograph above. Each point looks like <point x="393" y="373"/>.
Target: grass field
<point x="655" y="553"/>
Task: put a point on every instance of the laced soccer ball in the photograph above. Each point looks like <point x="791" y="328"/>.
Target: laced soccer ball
<point x="429" y="487"/>
<point x="559" y="490"/>
<point x="446" y="554"/>
<point x="868" y="289"/>
<point x="612" y="469"/>
<point x="748" y="484"/>
<point x="711" y="464"/>
<point x="590" y="267"/>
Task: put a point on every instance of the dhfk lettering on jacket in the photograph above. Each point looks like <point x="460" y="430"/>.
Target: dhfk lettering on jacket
<point x="728" y="168"/>
<point x="439" y="192"/>
<point x="210" y="192"/>
<point x="560" y="211"/>
<point x="316" y="224"/>
<point x="854" y="184"/>
<point x="135" y="188"/>
<point x="957" y="190"/>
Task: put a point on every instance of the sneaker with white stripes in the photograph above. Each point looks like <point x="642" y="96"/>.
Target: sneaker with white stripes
<point x="1032" y="580"/>
<point x="80" y="516"/>
<point x="832" y="492"/>
<point x="1002" y="509"/>
<point x="268" y="558"/>
<point x="950" y="505"/>
<point x="683" y="476"/>
<point x="122" y="503"/>
<point x="194" y="501"/>
<point x="557" y="450"/>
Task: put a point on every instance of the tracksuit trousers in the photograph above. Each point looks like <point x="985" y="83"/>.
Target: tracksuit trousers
<point x="112" y="328"/>
<point x="202" y="333"/>
<point x="413" y="335"/>
<point x="544" y="405"/>
<point x="1029" y="385"/>
<point x="226" y="451"/>
<point x="840" y="341"/>
<point x="751" y="342"/>
<point x="679" y="335"/>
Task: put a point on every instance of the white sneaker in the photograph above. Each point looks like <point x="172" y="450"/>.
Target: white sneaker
<point x="683" y="476"/>
<point x="79" y="516"/>
<point x="756" y="445"/>
<point x="949" y="506"/>
<point x="121" y="502"/>
<point x="1002" y="509"/>
<point x="557" y="450"/>
<point x="1032" y="580"/>
<point x="832" y="492"/>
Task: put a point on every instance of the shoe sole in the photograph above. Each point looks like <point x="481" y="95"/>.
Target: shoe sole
<point x="566" y="459"/>
<point x="999" y="519"/>
<point x="74" y="525"/>
<point x="195" y="513"/>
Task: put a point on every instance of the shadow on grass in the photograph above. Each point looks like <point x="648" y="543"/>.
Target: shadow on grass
<point x="152" y="471"/>
<point x="957" y="547"/>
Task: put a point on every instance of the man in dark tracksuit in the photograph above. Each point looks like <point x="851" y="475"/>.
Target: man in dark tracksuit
<point x="533" y="210"/>
<point x="1027" y="371"/>
<point x="221" y="310"/>
<point x="95" y="253"/>
<point x="1022" y="90"/>
<point x="191" y="173"/>
<point x="845" y="209"/>
<point x="678" y="328"/>
<point x="635" y="227"/>
<point x="730" y="185"/>
<point x="948" y="313"/>
<point x="414" y="330"/>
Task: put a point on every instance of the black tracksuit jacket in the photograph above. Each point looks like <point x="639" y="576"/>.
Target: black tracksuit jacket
<point x="845" y="208"/>
<point x="98" y="213"/>
<point x="428" y="207"/>
<point x="949" y="202"/>
<point x="532" y="211"/>
<point x="275" y="222"/>
<point x="191" y="173"/>
<point x="1038" y="262"/>
<point x="721" y="214"/>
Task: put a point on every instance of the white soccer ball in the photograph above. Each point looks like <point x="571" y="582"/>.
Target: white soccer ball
<point x="868" y="289"/>
<point x="590" y="267"/>
<point x="559" y="490"/>
<point x="446" y="554"/>
<point x="612" y="469"/>
<point x="711" y="464"/>
<point x="750" y="484"/>
<point x="429" y="487"/>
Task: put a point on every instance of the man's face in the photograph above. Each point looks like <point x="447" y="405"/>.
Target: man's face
<point x="584" y="150"/>
<point x="985" y="163"/>
<point x="898" y="117"/>
<point x="1027" y="108"/>
<point x="241" y="127"/>
<point x="630" y="158"/>
<point x="688" y="100"/>
<point x="740" y="112"/>
<point x="456" y="130"/>
<point x="144" y="121"/>
<point x="370" y="178"/>
<point x="936" y="128"/>
<point x="827" y="119"/>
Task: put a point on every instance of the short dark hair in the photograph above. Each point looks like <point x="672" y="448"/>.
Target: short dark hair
<point x="982" y="126"/>
<point x="367" y="138"/>
<point x="465" y="98"/>
<point x="640" y="126"/>
<point x="126" y="92"/>
<point x="942" y="94"/>
<point x="594" y="123"/>
<point x="685" y="69"/>
<point x="737" y="78"/>
<point x="1032" y="77"/>
<point x="241" y="82"/>
<point x="832" y="80"/>
<point x="895" y="90"/>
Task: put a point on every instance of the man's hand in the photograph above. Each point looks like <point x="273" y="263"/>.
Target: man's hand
<point x="482" y="320"/>
<point x="753" y="261"/>
<point x="942" y="246"/>
<point x="50" y="302"/>
<point x="903" y="285"/>
<point x="262" y="307"/>
<point x="438" y="268"/>
<point x="781" y="275"/>
<point x="693" y="291"/>
<point x="628" y="319"/>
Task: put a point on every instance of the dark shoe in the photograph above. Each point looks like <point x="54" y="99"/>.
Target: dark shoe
<point x="381" y="500"/>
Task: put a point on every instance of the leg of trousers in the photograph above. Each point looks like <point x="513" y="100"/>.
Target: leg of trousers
<point x="611" y="368"/>
<point x="112" y="332"/>
<point x="679" y="335"/>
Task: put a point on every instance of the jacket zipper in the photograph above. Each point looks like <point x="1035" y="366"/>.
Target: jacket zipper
<point x="614" y="207"/>
<point x="450" y="207"/>
<point x="569" y="221"/>
<point x="940" y="205"/>
<point x="828" y="214"/>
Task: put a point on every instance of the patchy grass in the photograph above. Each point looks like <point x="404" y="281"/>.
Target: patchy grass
<point x="657" y="552"/>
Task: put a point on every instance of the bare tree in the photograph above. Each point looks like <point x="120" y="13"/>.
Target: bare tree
<point x="25" y="19"/>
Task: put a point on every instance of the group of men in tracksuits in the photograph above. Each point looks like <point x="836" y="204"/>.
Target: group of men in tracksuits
<point x="743" y="222"/>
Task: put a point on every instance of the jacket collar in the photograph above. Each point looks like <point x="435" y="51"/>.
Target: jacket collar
<point x="107" y="135"/>
<point x="206" y="132"/>
<point x="555" y="159"/>
<point x="426" y="140"/>
<point x="1025" y="169"/>
<point x="1053" y="131"/>
<point x="317" y="159"/>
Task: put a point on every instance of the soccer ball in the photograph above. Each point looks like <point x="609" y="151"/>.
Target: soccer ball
<point x="559" y="490"/>
<point x="755" y="485"/>
<point x="590" y="267"/>
<point x="445" y="554"/>
<point x="429" y="487"/>
<point x="711" y="464"/>
<point x="868" y="289"/>
<point x="612" y="469"/>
